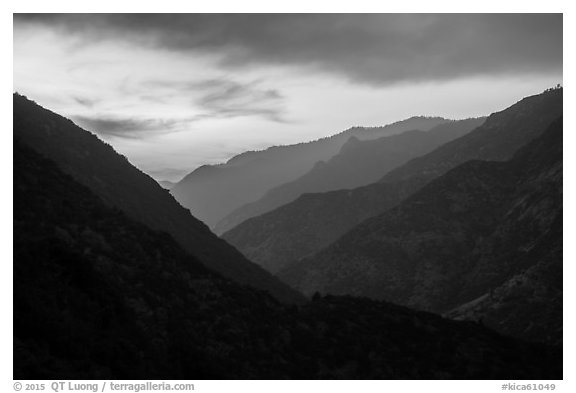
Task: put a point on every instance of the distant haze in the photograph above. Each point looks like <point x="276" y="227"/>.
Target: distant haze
<point x="173" y="92"/>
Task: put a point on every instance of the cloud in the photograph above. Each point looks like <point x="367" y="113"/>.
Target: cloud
<point x="86" y="102"/>
<point x="213" y="98"/>
<point x="230" y="99"/>
<point x="367" y="48"/>
<point x="130" y="128"/>
<point x="225" y="98"/>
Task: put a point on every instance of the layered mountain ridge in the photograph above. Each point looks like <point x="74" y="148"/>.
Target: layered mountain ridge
<point x="211" y="192"/>
<point x="313" y="221"/>
<point x="358" y="163"/>
<point x="473" y="231"/>
<point x="113" y="279"/>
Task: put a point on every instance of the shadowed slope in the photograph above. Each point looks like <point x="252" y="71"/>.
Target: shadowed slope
<point x="119" y="184"/>
<point x="97" y="295"/>
<point x="457" y="239"/>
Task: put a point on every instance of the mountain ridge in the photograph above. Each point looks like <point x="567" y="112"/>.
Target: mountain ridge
<point x="96" y="165"/>
<point x="100" y="296"/>
<point x="314" y="221"/>
<point x="461" y="236"/>
<point x="211" y="192"/>
<point x="358" y="163"/>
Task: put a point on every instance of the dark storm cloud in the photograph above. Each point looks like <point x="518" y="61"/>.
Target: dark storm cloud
<point x="225" y="98"/>
<point x="374" y="48"/>
<point x="131" y="128"/>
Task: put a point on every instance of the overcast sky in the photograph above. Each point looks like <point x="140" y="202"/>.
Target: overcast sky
<point x="172" y="92"/>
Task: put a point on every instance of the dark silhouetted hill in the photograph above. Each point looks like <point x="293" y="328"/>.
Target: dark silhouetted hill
<point x="100" y="296"/>
<point x="119" y="184"/>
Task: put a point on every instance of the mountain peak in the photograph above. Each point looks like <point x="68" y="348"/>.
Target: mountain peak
<point x="351" y="143"/>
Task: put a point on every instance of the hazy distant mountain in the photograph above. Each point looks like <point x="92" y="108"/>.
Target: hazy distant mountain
<point x="166" y="184"/>
<point x="211" y="192"/>
<point x="313" y="221"/>
<point x="109" y="175"/>
<point x="475" y="230"/>
<point x="357" y="164"/>
<point x="100" y="296"/>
